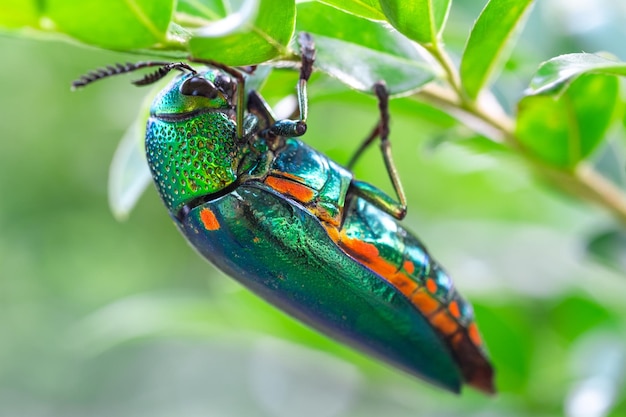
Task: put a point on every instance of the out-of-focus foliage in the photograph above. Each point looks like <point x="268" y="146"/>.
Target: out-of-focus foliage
<point x="105" y="318"/>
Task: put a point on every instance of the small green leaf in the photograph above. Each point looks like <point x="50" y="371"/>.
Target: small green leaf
<point x="360" y="67"/>
<point x="369" y="9"/>
<point x="590" y="314"/>
<point x="129" y="175"/>
<point x="490" y="41"/>
<point x="565" y="129"/>
<point x="320" y="19"/>
<point x="258" y="32"/>
<point x="115" y="24"/>
<point x="557" y="73"/>
<point x="360" y="52"/>
<point x="609" y="248"/>
<point x="474" y="143"/>
<point x="17" y="14"/>
<point x="420" y="20"/>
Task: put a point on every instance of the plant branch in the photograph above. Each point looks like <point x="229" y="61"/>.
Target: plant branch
<point x="488" y="119"/>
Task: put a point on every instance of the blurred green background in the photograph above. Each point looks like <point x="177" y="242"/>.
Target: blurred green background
<point x="101" y="318"/>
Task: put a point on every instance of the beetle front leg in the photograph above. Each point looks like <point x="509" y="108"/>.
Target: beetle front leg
<point x="295" y="128"/>
<point x="395" y="208"/>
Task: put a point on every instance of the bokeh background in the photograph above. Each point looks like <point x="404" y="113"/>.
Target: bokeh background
<point x="107" y="318"/>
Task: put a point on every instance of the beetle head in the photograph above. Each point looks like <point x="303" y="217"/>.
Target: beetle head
<point x="210" y="90"/>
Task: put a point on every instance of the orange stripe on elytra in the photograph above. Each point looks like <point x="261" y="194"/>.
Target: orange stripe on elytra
<point x="425" y="302"/>
<point x="409" y="267"/>
<point x="444" y="320"/>
<point x="453" y="308"/>
<point x="293" y="189"/>
<point x="403" y="283"/>
<point x="444" y="323"/>
<point x="368" y="253"/>
<point x="209" y="220"/>
<point x="474" y="335"/>
<point x="431" y="285"/>
<point x="457" y="338"/>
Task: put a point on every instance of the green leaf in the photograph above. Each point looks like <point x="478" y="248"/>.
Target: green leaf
<point x="477" y="144"/>
<point x="565" y="129"/>
<point x="609" y="248"/>
<point x="17" y="14"/>
<point x="369" y="9"/>
<point x="210" y="10"/>
<point x="258" y="32"/>
<point x="559" y="72"/>
<point x="129" y="175"/>
<point x="360" y="67"/>
<point x="320" y="19"/>
<point x="590" y="315"/>
<point x="490" y="41"/>
<point x="420" y="20"/>
<point x="360" y="52"/>
<point x="114" y="24"/>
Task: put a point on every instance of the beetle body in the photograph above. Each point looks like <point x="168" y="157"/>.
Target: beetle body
<point x="292" y="226"/>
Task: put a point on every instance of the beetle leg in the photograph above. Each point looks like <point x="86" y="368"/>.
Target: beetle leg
<point x="307" y="49"/>
<point x="295" y="128"/>
<point x="395" y="208"/>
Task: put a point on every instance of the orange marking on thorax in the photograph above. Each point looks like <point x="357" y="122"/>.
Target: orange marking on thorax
<point x="332" y="232"/>
<point x="209" y="220"/>
<point x="324" y="216"/>
<point x="289" y="176"/>
<point x="293" y="189"/>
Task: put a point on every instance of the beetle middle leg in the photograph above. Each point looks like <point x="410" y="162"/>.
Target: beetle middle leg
<point x="396" y="208"/>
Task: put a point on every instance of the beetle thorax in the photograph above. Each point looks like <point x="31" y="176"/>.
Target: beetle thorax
<point x="193" y="157"/>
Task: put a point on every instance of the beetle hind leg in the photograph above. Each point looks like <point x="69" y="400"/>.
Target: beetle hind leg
<point x="396" y="208"/>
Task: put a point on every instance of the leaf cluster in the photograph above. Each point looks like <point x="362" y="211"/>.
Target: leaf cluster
<point x="562" y="118"/>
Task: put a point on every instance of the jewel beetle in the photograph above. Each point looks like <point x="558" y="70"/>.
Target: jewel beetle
<point x="297" y="228"/>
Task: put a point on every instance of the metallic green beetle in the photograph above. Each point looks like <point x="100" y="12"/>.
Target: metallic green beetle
<point x="297" y="229"/>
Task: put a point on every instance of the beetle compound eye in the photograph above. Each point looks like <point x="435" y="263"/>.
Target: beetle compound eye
<point x="225" y="84"/>
<point x="199" y="86"/>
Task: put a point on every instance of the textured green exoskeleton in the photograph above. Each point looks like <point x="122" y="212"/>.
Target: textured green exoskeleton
<point x="297" y="229"/>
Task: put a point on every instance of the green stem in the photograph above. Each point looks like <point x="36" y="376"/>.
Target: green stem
<point x="583" y="181"/>
<point x="454" y="80"/>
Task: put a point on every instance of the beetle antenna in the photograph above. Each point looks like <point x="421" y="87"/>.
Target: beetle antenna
<point x="117" y="69"/>
<point x="162" y="72"/>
